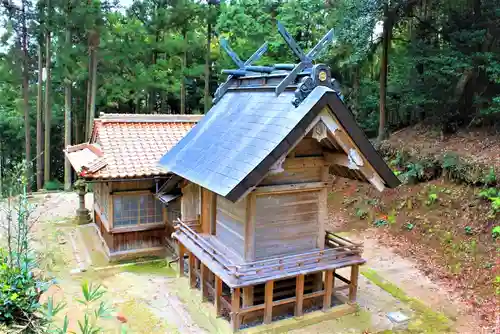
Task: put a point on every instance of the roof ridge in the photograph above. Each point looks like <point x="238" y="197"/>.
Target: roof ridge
<point x="148" y="118"/>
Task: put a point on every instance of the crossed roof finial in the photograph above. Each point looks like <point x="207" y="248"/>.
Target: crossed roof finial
<point x="306" y="60"/>
<point x="242" y="66"/>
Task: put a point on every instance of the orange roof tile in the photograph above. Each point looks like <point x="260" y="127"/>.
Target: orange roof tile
<point x="131" y="145"/>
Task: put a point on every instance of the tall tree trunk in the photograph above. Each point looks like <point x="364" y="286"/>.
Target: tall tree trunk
<point x="1" y="170"/>
<point x="208" y="62"/>
<point x="76" y="122"/>
<point x="183" y="68"/>
<point x="384" y="61"/>
<point x="48" y="109"/>
<point x="39" y="119"/>
<point x="87" y="99"/>
<point x="67" y="119"/>
<point x="93" y="90"/>
<point x="27" y="127"/>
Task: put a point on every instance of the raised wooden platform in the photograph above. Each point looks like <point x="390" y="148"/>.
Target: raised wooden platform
<point x="235" y="272"/>
<point x="246" y="291"/>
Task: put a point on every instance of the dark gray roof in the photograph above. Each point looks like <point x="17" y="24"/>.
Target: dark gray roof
<point x="232" y="148"/>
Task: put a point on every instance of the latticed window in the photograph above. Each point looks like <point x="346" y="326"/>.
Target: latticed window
<point x="136" y="210"/>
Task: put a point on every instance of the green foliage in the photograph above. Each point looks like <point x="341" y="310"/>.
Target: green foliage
<point x="20" y="288"/>
<point x="95" y="311"/>
<point x="409" y="226"/>
<point x="468" y="230"/>
<point x="493" y="196"/>
<point x="490" y="178"/>
<point x="361" y="213"/>
<point x="53" y="185"/>
<point x="19" y="291"/>
<point x="380" y="222"/>
<point x="431" y="198"/>
<point x="495" y="232"/>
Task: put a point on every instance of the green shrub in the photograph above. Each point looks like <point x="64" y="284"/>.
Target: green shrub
<point x="53" y="185"/>
<point x="20" y="291"/>
<point x="95" y="312"/>
<point x="495" y="232"/>
<point x="380" y="222"/>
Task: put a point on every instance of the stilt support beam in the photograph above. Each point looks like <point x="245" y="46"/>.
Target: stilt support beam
<point x="192" y="271"/>
<point x="353" y="286"/>
<point x="235" y="309"/>
<point x="327" y="297"/>
<point x="218" y="296"/>
<point x="180" y="251"/>
<point x="299" y="294"/>
<point x="203" y="281"/>
<point x="268" y="302"/>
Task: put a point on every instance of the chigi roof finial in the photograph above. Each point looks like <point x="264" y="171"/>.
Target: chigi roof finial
<point x="306" y="60"/>
<point x="243" y="67"/>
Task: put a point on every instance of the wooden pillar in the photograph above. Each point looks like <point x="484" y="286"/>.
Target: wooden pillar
<point x="268" y="302"/>
<point x="192" y="271"/>
<point x="218" y="296"/>
<point x="248" y="296"/>
<point x="318" y="281"/>
<point x="235" y="309"/>
<point x="299" y="295"/>
<point x="203" y="279"/>
<point x="353" y="287"/>
<point x="180" y="251"/>
<point x="327" y="297"/>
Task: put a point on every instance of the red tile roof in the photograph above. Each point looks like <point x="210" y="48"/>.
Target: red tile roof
<point x="130" y="145"/>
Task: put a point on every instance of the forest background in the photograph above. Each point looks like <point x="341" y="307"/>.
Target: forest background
<point x="399" y="62"/>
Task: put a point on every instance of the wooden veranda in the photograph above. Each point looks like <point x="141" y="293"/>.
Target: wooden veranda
<point x="246" y="291"/>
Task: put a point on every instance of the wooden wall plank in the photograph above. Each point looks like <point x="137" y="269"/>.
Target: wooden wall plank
<point x="191" y="202"/>
<point x="230" y="224"/>
<point x="286" y="223"/>
<point x="250" y="228"/>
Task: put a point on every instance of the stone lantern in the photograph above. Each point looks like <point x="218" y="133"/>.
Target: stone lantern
<point x="82" y="213"/>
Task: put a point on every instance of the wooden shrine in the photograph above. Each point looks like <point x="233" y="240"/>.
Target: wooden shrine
<point x="252" y="178"/>
<point x="119" y="165"/>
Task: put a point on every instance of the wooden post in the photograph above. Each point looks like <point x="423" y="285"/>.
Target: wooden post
<point x="318" y="281"/>
<point x="248" y="296"/>
<point x="180" y="251"/>
<point x="218" y="296"/>
<point x="235" y="309"/>
<point x="268" y="302"/>
<point x="299" y="295"/>
<point x="203" y="278"/>
<point x="353" y="287"/>
<point x="327" y="297"/>
<point x="192" y="271"/>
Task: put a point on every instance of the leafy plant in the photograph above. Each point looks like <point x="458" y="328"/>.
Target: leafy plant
<point x="493" y="195"/>
<point x="361" y="213"/>
<point x="495" y="232"/>
<point x="413" y="173"/>
<point x="20" y="288"/>
<point x="431" y="199"/>
<point x="95" y="311"/>
<point x="490" y="178"/>
<point x="468" y="230"/>
<point x="380" y="222"/>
